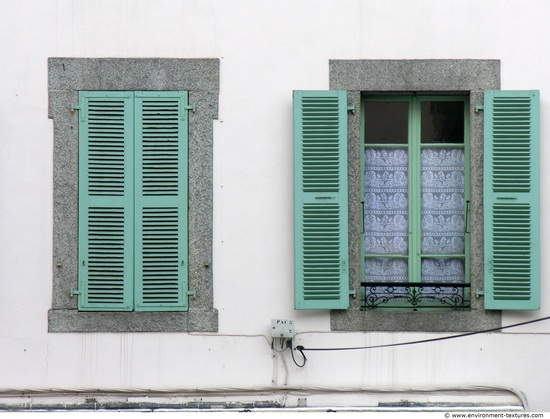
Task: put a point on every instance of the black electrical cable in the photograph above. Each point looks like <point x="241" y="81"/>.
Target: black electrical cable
<point x="298" y="349"/>
<point x="301" y="349"/>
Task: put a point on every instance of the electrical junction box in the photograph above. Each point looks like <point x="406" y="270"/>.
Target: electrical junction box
<point x="282" y="328"/>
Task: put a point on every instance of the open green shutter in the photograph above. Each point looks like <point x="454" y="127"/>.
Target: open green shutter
<point x="511" y="200"/>
<point x="105" y="201"/>
<point x="321" y="278"/>
<point x="161" y="201"/>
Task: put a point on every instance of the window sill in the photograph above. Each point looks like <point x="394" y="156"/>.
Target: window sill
<point x="110" y="322"/>
<point x="384" y="321"/>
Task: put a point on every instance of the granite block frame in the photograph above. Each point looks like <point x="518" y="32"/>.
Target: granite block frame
<point x="66" y="77"/>
<point x="385" y="77"/>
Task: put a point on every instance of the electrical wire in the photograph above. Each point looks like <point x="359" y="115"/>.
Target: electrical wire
<point x="193" y="391"/>
<point x="236" y="391"/>
<point x="286" y="343"/>
<point x="301" y="349"/>
<point x="294" y="359"/>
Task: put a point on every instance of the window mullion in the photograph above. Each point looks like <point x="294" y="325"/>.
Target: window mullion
<point x="415" y="226"/>
<point x="467" y="198"/>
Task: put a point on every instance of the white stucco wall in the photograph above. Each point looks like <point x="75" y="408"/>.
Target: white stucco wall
<point x="266" y="49"/>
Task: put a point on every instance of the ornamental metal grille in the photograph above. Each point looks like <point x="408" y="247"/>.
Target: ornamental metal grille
<point x="415" y="296"/>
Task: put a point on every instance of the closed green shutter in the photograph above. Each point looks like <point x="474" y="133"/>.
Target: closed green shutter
<point x="511" y="200"/>
<point x="133" y="149"/>
<point x="321" y="276"/>
<point x="105" y="201"/>
<point x="161" y="201"/>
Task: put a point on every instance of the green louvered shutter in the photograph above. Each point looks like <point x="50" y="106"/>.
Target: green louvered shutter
<point x="105" y="201"/>
<point x="321" y="276"/>
<point x="161" y="201"/>
<point x="511" y="200"/>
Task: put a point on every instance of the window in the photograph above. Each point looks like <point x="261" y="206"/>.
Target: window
<point x="133" y="201"/>
<point x="138" y="89"/>
<point x="329" y="214"/>
<point x="415" y="203"/>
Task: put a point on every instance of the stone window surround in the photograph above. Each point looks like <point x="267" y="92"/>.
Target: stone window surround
<point x="66" y="77"/>
<point x="471" y="77"/>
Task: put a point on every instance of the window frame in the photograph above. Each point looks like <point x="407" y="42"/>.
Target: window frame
<point x="414" y="146"/>
<point x="68" y="76"/>
<point x="437" y="77"/>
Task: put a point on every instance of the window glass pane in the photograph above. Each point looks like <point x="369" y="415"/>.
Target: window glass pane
<point x="386" y="122"/>
<point x="386" y="270"/>
<point x="380" y="271"/>
<point x="443" y="270"/>
<point x="386" y="201"/>
<point x="442" y="122"/>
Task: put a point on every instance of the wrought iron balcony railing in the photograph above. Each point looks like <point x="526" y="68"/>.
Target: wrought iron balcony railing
<point x="415" y="295"/>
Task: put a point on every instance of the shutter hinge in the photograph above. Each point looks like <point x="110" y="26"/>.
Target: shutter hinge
<point x="75" y="107"/>
<point x="352" y="293"/>
<point x="190" y="107"/>
<point x="74" y="292"/>
<point x="480" y="293"/>
<point x="192" y="294"/>
<point x="479" y="107"/>
<point x="351" y="108"/>
<point x="344" y="266"/>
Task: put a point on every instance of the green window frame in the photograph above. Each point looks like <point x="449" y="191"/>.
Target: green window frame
<point x="133" y="193"/>
<point x="407" y="296"/>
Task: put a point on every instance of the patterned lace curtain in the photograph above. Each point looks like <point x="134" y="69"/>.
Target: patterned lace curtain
<point x="442" y="213"/>
<point x="386" y="213"/>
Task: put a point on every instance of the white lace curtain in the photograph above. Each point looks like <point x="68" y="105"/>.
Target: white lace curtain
<point x="387" y="208"/>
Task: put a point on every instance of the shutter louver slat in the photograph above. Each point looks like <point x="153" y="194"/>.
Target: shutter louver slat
<point x="511" y="144"/>
<point x="511" y="252"/>
<point x="160" y="147"/>
<point x="321" y="252"/>
<point x="106" y="255"/>
<point x="320" y="132"/>
<point x="160" y="256"/>
<point x="106" y="147"/>
<point x="511" y="200"/>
